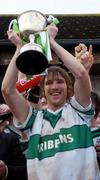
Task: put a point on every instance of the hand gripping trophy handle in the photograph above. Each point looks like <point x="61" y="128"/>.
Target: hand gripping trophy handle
<point x="13" y="25"/>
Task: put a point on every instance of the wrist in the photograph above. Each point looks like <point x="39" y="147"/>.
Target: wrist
<point x="52" y="40"/>
<point x="18" y="47"/>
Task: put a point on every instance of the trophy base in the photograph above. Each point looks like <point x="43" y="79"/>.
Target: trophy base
<point x="31" y="62"/>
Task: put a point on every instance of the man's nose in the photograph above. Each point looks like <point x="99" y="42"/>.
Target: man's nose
<point x="55" y="85"/>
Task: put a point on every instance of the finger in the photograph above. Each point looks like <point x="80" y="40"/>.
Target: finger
<point x="90" y="49"/>
<point x="78" y="48"/>
<point x="82" y="53"/>
<point x="91" y="58"/>
<point x="83" y="47"/>
<point x="84" y="56"/>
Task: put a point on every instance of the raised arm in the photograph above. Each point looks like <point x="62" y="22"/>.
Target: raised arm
<point x="18" y="105"/>
<point x="82" y="88"/>
<point x="87" y="61"/>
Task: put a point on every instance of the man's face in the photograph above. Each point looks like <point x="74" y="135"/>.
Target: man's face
<point x="55" y="89"/>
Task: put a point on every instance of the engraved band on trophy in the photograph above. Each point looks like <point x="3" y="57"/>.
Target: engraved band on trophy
<point x="32" y="58"/>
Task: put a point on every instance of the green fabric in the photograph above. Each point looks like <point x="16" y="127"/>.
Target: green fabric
<point x="55" y="21"/>
<point x="38" y="40"/>
<point x="52" y="118"/>
<point x="31" y="120"/>
<point x="16" y="27"/>
<point x="46" y="45"/>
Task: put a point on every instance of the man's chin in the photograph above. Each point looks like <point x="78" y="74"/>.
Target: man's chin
<point x="57" y="104"/>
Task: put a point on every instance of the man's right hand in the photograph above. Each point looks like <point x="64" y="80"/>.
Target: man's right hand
<point x="14" y="38"/>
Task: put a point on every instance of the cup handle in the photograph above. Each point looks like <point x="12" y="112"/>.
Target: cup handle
<point x="11" y="23"/>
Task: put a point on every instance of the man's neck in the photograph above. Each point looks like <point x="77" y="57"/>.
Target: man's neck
<point x="54" y="107"/>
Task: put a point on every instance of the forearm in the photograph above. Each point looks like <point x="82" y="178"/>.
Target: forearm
<point x="68" y="59"/>
<point x="11" y="75"/>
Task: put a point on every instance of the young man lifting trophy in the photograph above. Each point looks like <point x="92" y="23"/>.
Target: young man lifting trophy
<point x="35" y="53"/>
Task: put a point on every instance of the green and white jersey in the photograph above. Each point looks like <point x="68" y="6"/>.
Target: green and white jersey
<point x="60" y="144"/>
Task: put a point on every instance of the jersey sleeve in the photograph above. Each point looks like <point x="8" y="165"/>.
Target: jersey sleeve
<point x="85" y="113"/>
<point x="28" y="122"/>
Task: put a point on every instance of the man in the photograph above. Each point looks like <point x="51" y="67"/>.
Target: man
<point x="60" y="141"/>
<point x="12" y="161"/>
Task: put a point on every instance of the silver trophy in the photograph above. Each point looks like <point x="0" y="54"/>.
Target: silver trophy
<point x="32" y="59"/>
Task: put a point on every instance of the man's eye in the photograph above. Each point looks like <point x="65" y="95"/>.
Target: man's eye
<point x="60" y="81"/>
<point x="48" y="82"/>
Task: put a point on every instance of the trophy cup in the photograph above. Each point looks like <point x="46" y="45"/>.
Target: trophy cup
<point x="32" y="58"/>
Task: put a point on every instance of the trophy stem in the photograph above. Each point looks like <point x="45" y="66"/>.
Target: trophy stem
<point x="31" y="38"/>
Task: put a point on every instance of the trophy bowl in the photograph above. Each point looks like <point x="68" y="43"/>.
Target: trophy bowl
<point x="31" y="59"/>
<point x="31" y="21"/>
